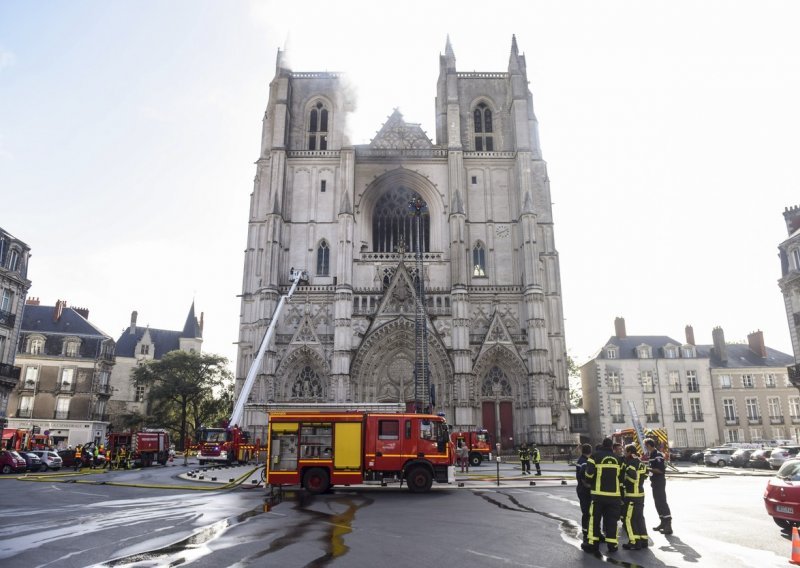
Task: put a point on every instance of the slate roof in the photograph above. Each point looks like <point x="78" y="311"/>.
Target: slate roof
<point x="39" y="320"/>
<point x="741" y="356"/>
<point x="627" y="345"/>
<point x="164" y="340"/>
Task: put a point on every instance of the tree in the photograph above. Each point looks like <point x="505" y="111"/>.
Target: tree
<point x="575" y="388"/>
<point x="178" y="383"/>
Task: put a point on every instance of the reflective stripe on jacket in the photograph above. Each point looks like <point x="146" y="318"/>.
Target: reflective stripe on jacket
<point x="604" y="471"/>
<point x="635" y="474"/>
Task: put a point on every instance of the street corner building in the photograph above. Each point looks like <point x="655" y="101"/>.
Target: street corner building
<point x="469" y="214"/>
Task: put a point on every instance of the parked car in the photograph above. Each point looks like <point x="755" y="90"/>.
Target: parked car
<point x="32" y="461"/>
<point x="11" y="461"/>
<point x="760" y="459"/>
<point x="718" y="456"/>
<point x="781" y="454"/>
<point x="50" y="459"/>
<point x="740" y="457"/>
<point x="782" y="496"/>
<point x="68" y="459"/>
<point x="697" y="457"/>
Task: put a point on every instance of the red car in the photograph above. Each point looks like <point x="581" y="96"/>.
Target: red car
<point x="11" y="461"/>
<point x="782" y="497"/>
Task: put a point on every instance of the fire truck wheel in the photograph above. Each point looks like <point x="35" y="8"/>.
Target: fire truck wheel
<point x="316" y="481"/>
<point x="475" y="459"/>
<point x="419" y="479"/>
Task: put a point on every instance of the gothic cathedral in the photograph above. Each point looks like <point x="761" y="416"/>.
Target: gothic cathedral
<point x="483" y="246"/>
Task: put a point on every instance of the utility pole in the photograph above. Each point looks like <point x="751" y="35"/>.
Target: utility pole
<point x="422" y="388"/>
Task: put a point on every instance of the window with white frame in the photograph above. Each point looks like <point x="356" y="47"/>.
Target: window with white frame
<point x="732" y="435"/>
<point x="670" y="353"/>
<point x="699" y="438"/>
<point x="611" y="353"/>
<point x="643" y="352"/>
<point x="72" y="347"/>
<point x="2" y="347"/>
<point x="729" y="409"/>
<point x="681" y="438"/>
<point x="613" y="383"/>
<point x="724" y="381"/>
<point x="751" y="405"/>
<point x="67" y="378"/>
<point x="774" y="406"/>
<point x="13" y="260"/>
<point x="675" y="381"/>
<point x="796" y="257"/>
<point x="691" y="381"/>
<point x="688" y="352"/>
<point x="748" y="381"/>
<point x="650" y="409"/>
<point x="616" y="407"/>
<point x="25" y="406"/>
<point x="696" y="409"/>
<point x="62" y="407"/>
<point x="7" y="300"/>
<point x="35" y="345"/>
<point x="677" y="410"/>
<point x="144" y="349"/>
<point x="647" y="382"/>
<point x="769" y="381"/>
<point x="140" y="391"/>
<point x="778" y="432"/>
<point x="756" y="434"/>
<point x="31" y="377"/>
<point x="794" y="407"/>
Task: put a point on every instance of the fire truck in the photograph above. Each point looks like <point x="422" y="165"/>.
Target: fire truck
<point x="146" y="447"/>
<point x="480" y="448"/>
<point x="629" y="436"/>
<point x="24" y="439"/>
<point x="225" y="445"/>
<point x="320" y="449"/>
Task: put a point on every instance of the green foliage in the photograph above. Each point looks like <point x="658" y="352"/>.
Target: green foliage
<point x="181" y="391"/>
<point x="575" y="388"/>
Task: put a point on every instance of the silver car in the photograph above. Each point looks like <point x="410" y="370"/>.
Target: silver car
<point x="781" y="454"/>
<point x="50" y="459"/>
<point x="718" y="456"/>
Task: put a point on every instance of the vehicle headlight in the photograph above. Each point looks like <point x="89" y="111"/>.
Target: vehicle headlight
<point x="223" y="454"/>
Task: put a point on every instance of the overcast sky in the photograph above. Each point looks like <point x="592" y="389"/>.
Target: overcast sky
<point x="128" y="132"/>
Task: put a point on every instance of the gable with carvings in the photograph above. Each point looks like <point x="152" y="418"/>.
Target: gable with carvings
<point x="397" y="134"/>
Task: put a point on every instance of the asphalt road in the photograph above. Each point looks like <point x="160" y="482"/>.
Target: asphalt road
<point x="719" y="521"/>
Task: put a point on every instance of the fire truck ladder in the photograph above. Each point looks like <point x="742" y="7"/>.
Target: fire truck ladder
<point x="637" y="425"/>
<point x="422" y="389"/>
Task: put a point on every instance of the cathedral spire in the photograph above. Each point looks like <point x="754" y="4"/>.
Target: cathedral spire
<point x="449" y="54"/>
<point x="513" y="59"/>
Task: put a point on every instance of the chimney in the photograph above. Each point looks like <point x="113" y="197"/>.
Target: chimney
<point x="690" y="335"/>
<point x="32" y="302"/>
<point x="132" y="329"/>
<point x="756" y="342"/>
<point x="792" y="217"/>
<point x="59" y="309"/>
<point x="84" y="312"/>
<point x="720" y="349"/>
<point x="619" y="328"/>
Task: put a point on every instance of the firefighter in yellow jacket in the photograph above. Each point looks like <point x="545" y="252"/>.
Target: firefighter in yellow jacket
<point x="633" y="503"/>
<point x="604" y="474"/>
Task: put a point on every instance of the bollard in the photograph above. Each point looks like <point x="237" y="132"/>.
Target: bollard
<point x="213" y="478"/>
<point x="231" y="480"/>
<point x="461" y="484"/>
<point x="498" y="471"/>
<point x="563" y="482"/>
<point x="532" y="483"/>
<point x="201" y="477"/>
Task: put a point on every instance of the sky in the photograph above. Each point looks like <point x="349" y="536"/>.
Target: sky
<point x="129" y="131"/>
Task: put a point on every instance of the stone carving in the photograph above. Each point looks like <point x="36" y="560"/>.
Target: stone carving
<point x="397" y="134"/>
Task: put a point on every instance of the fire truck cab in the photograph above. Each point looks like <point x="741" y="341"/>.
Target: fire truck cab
<point x="321" y="449"/>
<point x="478" y="442"/>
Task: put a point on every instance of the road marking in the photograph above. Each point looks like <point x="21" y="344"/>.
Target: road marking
<point x="504" y="560"/>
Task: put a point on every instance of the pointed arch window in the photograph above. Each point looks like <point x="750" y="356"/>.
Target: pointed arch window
<point x="307" y="385"/>
<point x="318" y="127"/>
<point x="479" y="259"/>
<point x="495" y="383"/>
<point x="484" y="130"/>
<point x="392" y="223"/>
<point x="323" y="259"/>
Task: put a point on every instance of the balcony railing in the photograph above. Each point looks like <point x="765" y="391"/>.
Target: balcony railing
<point x="28" y="384"/>
<point x="675" y="388"/>
<point x="795" y="419"/>
<point x="66" y="386"/>
<point x="24" y="413"/>
<point x="103" y="389"/>
<point x="693" y="388"/>
<point x="7" y="319"/>
<point x="731" y="420"/>
<point x="776" y="419"/>
<point x="754" y="420"/>
<point x="651" y="417"/>
<point x="10" y="371"/>
<point x="680" y="418"/>
<point x="697" y="417"/>
<point x="617" y="418"/>
<point x="99" y="417"/>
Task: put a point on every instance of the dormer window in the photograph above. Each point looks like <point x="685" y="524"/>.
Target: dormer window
<point x="482" y="118"/>
<point x="144" y="349"/>
<point x="72" y="347"/>
<point x="318" y="128"/>
<point x="644" y="352"/>
<point x="688" y="352"/>
<point x="611" y="353"/>
<point x="796" y="257"/>
<point x="670" y="352"/>
<point x="35" y="345"/>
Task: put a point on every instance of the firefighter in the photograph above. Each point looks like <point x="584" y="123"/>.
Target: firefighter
<point x="583" y="488"/>
<point x="525" y="459"/>
<point x="536" y="456"/>
<point x="78" y="456"/>
<point x="122" y="458"/>
<point x="658" y="483"/>
<point x="633" y="503"/>
<point x="604" y="472"/>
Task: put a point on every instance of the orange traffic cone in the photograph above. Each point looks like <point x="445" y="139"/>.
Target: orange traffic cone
<point x="795" y="547"/>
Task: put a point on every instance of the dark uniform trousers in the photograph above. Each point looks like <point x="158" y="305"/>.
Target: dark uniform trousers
<point x="607" y="510"/>
<point x="585" y="499"/>
<point x="658" y="483"/>
<point x="633" y="519"/>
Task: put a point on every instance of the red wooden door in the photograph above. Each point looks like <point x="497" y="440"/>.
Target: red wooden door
<point x="489" y="422"/>
<point x="506" y="425"/>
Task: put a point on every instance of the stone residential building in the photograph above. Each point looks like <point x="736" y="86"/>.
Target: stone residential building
<point x="492" y="308"/>
<point x="144" y="343"/>
<point x="66" y="364"/>
<point x="667" y="380"/>
<point x="14" y="286"/>
<point x="754" y="398"/>
<point x="790" y="285"/>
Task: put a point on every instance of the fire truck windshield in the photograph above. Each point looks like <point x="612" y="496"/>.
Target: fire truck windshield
<point x="215" y="435"/>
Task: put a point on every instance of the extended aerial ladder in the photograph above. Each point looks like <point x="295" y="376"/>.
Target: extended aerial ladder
<point x="295" y="277"/>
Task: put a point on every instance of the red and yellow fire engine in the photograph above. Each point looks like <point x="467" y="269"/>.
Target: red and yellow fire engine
<point x="224" y="445"/>
<point x="321" y="449"/>
<point x="480" y="447"/>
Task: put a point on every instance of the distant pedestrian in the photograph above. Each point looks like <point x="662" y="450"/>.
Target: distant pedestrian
<point x="633" y="503"/>
<point x="524" y="459"/>
<point x="536" y="457"/>
<point x="583" y="489"/>
<point x="658" y="483"/>
<point x="462" y="452"/>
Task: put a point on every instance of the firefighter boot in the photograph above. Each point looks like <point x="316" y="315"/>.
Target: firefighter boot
<point x="591" y="548"/>
<point x="660" y="525"/>
<point x="667" y="528"/>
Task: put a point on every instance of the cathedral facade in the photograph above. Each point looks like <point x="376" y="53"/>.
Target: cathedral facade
<point x="483" y="247"/>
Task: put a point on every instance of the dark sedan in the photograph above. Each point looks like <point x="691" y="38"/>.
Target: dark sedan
<point x="32" y="461"/>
